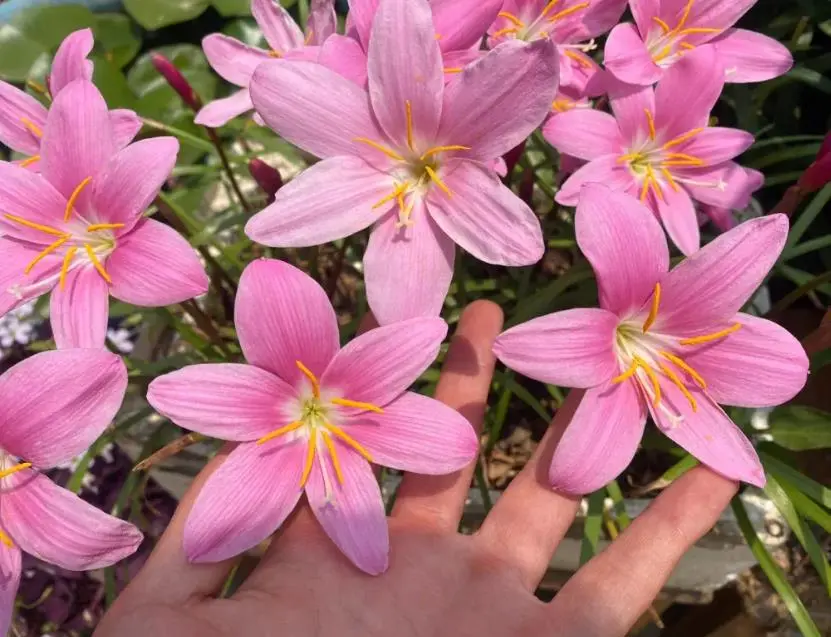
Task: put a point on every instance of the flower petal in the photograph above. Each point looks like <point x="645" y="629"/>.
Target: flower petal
<point x="58" y="527"/>
<point x="516" y="78"/>
<point x="592" y="21"/>
<point x="79" y="312"/>
<point x="629" y="103"/>
<point x="283" y="316"/>
<point x="153" y="266"/>
<point x="677" y="213"/>
<point x="381" y="364"/>
<point x="748" y="56"/>
<point x="726" y="185"/>
<point x="16" y="287"/>
<point x="352" y="514"/>
<point x="29" y="196"/>
<point x="573" y="348"/>
<point x="226" y="400"/>
<point x="461" y="23"/>
<point x="601" y="439"/>
<point x="761" y="365"/>
<point x="323" y="21"/>
<point x="717" y="13"/>
<point x="71" y="61"/>
<point x="715" y="144"/>
<point x="126" y="124"/>
<point x="627" y="57"/>
<point x="345" y="57"/>
<point x="219" y="112"/>
<point x="584" y="133"/>
<point x="604" y="170"/>
<point x="17" y="108"/>
<point x="331" y="200"/>
<point x="484" y="217"/>
<point x="279" y="28"/>
<point x="55" y="404"/>
<point x="403" y="37"/>
<point x="644" y="11"/>
<point x="418" y="434"/>
<point x="233" y="60"/>
<point x="362" y="15"/>
<point x="10" y="569"/>
<point x="408" y="270"/>
<point x="709" y="287"/>
<point x="624" y="244"/>
<point x="287" y="95"/>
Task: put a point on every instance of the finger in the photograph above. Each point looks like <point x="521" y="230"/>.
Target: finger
<point x="463" y="385"/>
<point x="623" y="580"/>
<point x="530" y="519"/>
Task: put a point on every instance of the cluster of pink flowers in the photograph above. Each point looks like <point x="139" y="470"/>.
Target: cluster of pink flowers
<point x="410" y="113"/>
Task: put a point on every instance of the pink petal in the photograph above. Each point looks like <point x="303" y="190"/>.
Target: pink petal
<point x="601" y="439"/>
<point x="154" y="266"/>
<point x="717" y="13"/>
<point x="715" y="144"/>
<point x="454" y="61"/>
<point x="516" y="78"/>
<point x="323" y="21"/>
<point x="629" y="103"/>
<point x="677" y="213"/>
<point x="244" y="501"/>
<point x="584" y="133"/>
<point x="722" y="218"/>
<point x="345" y="57"/>
<point x="403" y="37"/>
<point x="10" y="569"/>
<point x="331" y="200"/>
<point x="279" y="28"/>
<point x="283" y="316"/>
<point x="79" y="312"/>
<point x="15" y="107"/>
<point x="748" y="56"/>
<point x="288" y="96"/>
<point x="227" y="400"/>
<point x="574" y="348"/>
<point x="362" y="15"/>
<point x="58" y="527"/>
<point x="352" y="514"/>
<point x="624" y="244"/>
<point x="78" y="139"/>
<point x="708" y="288"/>
<point x="233" y="60"/>
<point x="408" y="270"/>
<point x="131" y="181"/>
<point x="417" y="434"/>
<point x="381" y="364"/>
<point x="55" y="404"/>
<point x="71" y="61"/>
<point x="592" y="21"/>
<point x="761" y="365"/>
<point x="220" y="112"/>
<point x="484" y="217"/>
<point x="643" y="11"/>
<point x="726" y="185"/>
<point x="461" y="23"/>
<point x="29" y="196"/>
<point x="627" y="57"/>
<point x="16" y="287"/>
<point x="126" y="124"/>
<point x="605" y="170"/>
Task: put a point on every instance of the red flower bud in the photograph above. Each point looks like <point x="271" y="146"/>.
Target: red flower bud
<point x="267" y="177"/>
<point x="819" y="173"/>
<point x="177" y="81"/>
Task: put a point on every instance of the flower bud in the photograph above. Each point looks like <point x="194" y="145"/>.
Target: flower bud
<point x="267" y="177"/>
<point x="819" y="173"/>
<point x="177" y="81"/>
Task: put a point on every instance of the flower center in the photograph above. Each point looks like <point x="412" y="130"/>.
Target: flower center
<point x="667" y="44"/>
<point x="539" y="26"/>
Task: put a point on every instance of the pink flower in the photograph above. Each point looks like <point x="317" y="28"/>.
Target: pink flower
<point x="412" y="156"/>
<point x="658" y="147"/>
<point x="23" y="118"/>
<point x="666" y="30"/>
<point x="310" y="417"/>
<point x="77" y="228"/>
<point x="236" y="61"/>
<point x="669" y="343"/>
<point x="54" y="405"/>
<point x="568" y="23"/>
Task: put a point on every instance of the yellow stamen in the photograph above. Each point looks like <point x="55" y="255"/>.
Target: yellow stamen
<point x="683" y="365"/>
<point x="38" y="87"/>
<point x="389" y="153"/>
<point x="661" y="24"/>
<point x="682" y="138"/>
<point x="684" y="16"/>
<point x="397" y="193"/>
<point x="442" y="149"/>
<point x="35" y="226"/>
<point x="104" y="226"/>
<point x="627" y="374"/>
<point x="312" y="378"/>
<point x="706" y="338"/>
<point x="663" y="53"/>
<point x="279" y="432"/>
<point x="656" y="386"/>
<point x="437" y="180"/>
<point x="333" y="454"/>
<point x="505" y="31"/>
<point x="680" y="385"/>
<point x="18" y="467"/>
<point x="685" y="157"/>
<point x="453" y="69"/>
<point x="686" y="45"/>
<point x="345" y="402"/>
<point x="698" y="30"/>
<point x="5" y="539"/>
<point x="67" y="261"/>
<point x="310" y="458"/>
<point x="275" y="54"/>
<point x="631" y="157"/>
<point x="32" y="127"/>
<point x="45" y="253"/>
<point x="439" y="36"/>
<point x="645" y="187"/>
<point x="651" y="122"/>
<point x="564" y="104"/>
<point x="656" y="187"/>
<point x="510" y="17"/>
<point x="309" y="37"/>
<point x="30" y="161"/>
<point x="682" y="162"/>
<point x="566" y="12"/>
<point x="548" y="7"/>
<point x="97" y="264"/>
<point x="340" y="433"/>
<point x="669" y="178"/>
<point x="578" y="58"/>
<point x="653" y="312"/>
<point x="409" y="108"/>
<point x="70" y="204"/>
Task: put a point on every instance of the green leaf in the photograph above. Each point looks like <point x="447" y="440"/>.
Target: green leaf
<point x="48" y="26"/>
<point x="798" y="428"/>
<point x="592" y="526"/>
<point x="807" y="507"/>
<point x="623" y="519"/>
<point x="155" y="14"/>
<point x="782" y="470"/>
<point x="18" y="54"/>
<point x="115" y="36"/>
<point x="113" y="85"/>
<point x="808" y="216"/>
<point x="232" y="8"/>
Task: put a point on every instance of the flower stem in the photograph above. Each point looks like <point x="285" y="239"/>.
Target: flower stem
<point x="223" y="158"/>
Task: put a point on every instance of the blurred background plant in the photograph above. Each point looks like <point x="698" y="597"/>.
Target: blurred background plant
<point x="148" y="58"/>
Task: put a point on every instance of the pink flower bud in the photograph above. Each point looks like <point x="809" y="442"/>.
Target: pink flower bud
<point x="819" y="173"/>
<point x="267" y="177"/>
<point x="177" y="81"/>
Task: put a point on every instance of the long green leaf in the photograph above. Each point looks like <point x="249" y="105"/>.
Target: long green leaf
<point x="809" y="487"/>
<point x="592" y="526"/>
<point x="806" y="506"/>
<point x="808" y="215"/>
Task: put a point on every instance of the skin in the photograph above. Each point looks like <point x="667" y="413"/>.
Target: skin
<point x="439" y="582"/>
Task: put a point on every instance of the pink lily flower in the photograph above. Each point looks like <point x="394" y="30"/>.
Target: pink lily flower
<point x="568" y="23"/>
<point x="77" y="228"/>
<point x="310" y="417"/>
<point x="236" y="61"/>
<point x="658" y="147"/>
<point x="669" y="343"/>
<point x="55" y="404"/>
<point x="666" y="30"/>
<point x="412" y="156"/>
<point x="23" y="118"/>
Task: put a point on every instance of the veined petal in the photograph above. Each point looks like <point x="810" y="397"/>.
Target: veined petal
<point x="677" y="213"/>
<point x="226" y="400"/>
<point x="644" y="11"/>
<point x="345" y="57"/>
<point x="55" y="404"/>
<point x="461" y="23"/>
<point x="584" y="133"/>
<point x="71" y="61"/>
<point x="726" y="185"/>
<point x="58" y="527"/>
<point x="716" y="13"/>
<point x="715" y="145"/>
<point x="79" y="312"/>
<point x="233" y="60"/>
<point x="604" y="170"/>
<point x="10" y="569"/>
<point x="748" y="56"/>
<point x="16" y="109"/>
<point x="573" y="348"/>
<point x="381" y="364"/>
<point x="362" y="15"/>
<point x="219" y="112"/>
<point x="126" y="124"/>
<point x="28" y="196"/>
<point x="16" y="287"/>
<point x="283" y="316"/>
<point x="592" y="21"/>
<point x="627" y="57"/>
<point x="323" y="21"/>
<point x="279" y="28"/>
<point x="629" y="103"/>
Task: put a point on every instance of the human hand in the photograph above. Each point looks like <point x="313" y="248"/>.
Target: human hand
<point x="439" y="582"/>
